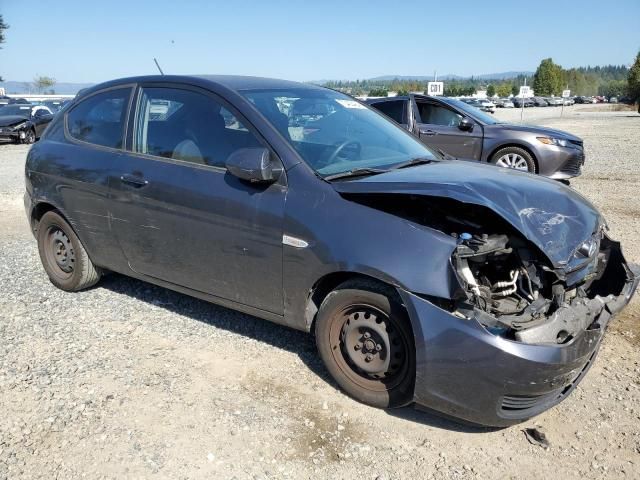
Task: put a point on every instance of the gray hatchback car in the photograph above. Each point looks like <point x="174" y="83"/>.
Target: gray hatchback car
<point x="465" y="132"/>
<point x="479" y="292"/>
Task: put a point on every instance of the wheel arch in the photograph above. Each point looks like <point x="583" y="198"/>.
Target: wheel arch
<point x="44" y="206"/>
<point x="522" y="146"/>
<point x="38" y="211"/>
<point x="328" y="283"/>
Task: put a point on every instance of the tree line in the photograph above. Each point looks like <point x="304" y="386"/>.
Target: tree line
<point x="609" y="80"/>
<point x="549" y="79"/>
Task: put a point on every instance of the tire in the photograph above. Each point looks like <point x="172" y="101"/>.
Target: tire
<point x="63" y="256"/>
<point x="30" y="137"/>
<point x="361" y="319"/>
<point x="515" y="158"/>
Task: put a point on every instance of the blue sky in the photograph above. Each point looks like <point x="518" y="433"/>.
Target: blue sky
<point x="90" y="41"/>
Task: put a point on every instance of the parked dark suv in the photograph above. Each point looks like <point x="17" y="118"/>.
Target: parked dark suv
<point x="479" y="292"/>
<point x="467" y="133"/>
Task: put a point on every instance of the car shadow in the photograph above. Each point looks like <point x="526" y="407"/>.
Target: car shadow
<point x="278" y="336"/>
<point x="435" y="419"/>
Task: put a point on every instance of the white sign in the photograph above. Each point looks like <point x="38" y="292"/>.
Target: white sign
<point x="525" y="91"/>
<point x="351" y="104"/>
<point x="566" y="93"/>
<point x="435" y="88"/>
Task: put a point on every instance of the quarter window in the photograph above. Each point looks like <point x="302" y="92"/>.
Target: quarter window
<point x="188" y="126"/>
<point x="100" y="119"/>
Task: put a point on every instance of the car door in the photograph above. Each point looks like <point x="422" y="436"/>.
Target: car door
<point x="180" y="217"/>
<point x="438" y="127"/>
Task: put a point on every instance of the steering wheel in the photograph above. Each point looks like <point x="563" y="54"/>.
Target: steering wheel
<point x="355" y="154"/>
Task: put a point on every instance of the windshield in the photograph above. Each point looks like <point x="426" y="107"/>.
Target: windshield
<point x="472" y="111"/>
<point x="24" y="110"/>
<point x="333" y="133"/>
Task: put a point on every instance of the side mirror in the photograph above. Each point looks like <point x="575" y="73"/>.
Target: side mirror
<point x="466" y="125"/>
<point x="252" y="164"/>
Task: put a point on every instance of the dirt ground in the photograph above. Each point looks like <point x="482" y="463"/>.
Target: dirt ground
<point x="129" y="380"/>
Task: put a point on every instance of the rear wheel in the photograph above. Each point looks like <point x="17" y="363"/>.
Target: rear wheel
<point x="365" y="340"/>
<point x="514" y="157"/>
<point x="64" y="258"/>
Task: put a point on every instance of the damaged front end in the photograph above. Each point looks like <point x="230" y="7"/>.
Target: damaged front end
<point x="543" y="279"/>
<point x="509" y="283"/>
<point x="533" y="280"/>
<point x="514" y="293"/>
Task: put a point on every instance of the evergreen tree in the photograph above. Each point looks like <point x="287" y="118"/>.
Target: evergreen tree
<point x="633" y="81"/>
<point x="548" y="78"/>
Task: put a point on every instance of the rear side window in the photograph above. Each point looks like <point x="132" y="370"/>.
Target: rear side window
<point x="393" y="109"/>
<point x="100" y="119"/>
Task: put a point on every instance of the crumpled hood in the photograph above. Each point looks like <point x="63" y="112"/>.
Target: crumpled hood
<point x="542" y="131"/>
<point x="9" y="120"/>
<point x="552" y="216"/>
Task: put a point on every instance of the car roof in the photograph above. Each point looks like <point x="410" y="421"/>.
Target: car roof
<point x="23" y="105"/>
<point x="386" y="99"/>
<point x="229" y="82"/>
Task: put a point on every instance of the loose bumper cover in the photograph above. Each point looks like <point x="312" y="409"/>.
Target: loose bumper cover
<point x="466" y="372"/>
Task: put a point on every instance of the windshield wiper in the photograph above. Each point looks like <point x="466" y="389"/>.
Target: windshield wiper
<point x="356" y="172"/>
<point x="412" y="162"/>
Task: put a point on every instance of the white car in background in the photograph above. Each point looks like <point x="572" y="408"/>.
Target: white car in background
<point x="554" y="101"/>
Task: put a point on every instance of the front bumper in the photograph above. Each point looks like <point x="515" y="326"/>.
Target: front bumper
<point x="8" y="133"/>
<point x="463" y="371"/>
<point x="561" y="163"/>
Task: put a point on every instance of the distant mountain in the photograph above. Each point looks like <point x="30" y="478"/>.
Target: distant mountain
<point x="61" y="88"/>
<point x="503" y="75"/>
<point x="420" y="78"/>
<point x="449" y="76"/>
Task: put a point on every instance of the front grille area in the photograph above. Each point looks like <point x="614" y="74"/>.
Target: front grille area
<point x="526" y="402"/>
<point x="573" y="166"/>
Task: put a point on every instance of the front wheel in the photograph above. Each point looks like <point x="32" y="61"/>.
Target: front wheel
<point x="515" y="158"/>
<point x="29" y="137"/>
<point x="365" y="340"/>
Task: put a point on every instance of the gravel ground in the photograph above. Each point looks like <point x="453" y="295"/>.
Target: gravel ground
<point x="128" y="380"/>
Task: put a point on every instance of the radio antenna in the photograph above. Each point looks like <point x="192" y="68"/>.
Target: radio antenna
<point x="158" y="65"/>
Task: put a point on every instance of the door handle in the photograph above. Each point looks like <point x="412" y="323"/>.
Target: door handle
<point x="134" y="180"/>
<point x="428" y="133"/>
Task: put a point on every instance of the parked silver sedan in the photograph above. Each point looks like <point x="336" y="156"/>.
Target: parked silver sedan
<point x="554" y="101"/>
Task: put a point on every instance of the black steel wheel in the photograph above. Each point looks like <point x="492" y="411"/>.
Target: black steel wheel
<point x="364" y="338"/>
<point x="62" y="255"/>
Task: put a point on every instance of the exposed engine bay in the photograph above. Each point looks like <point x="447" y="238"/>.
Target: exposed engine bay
<point x="509" y="285"/>
<point x="515" y="295"/>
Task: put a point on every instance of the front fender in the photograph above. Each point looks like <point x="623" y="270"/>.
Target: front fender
<point x="345" y="236"/>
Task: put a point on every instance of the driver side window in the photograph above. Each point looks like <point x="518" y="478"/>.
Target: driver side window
<point x="433" y="114"/>
<point x="188" y="126"/>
